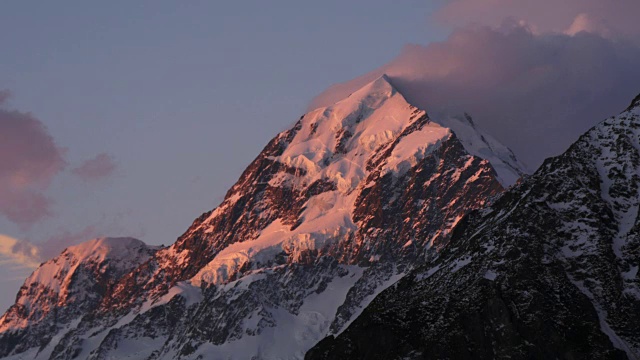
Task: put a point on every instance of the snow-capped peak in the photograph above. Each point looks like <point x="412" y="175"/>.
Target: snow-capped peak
<point x="334" y="145"/>
<point x="378" y="88"/>
<point x="120" y="253"/>
<point x="335" y="142"/>
<point x="391" y="106"/>
<point x="76" y="276"/>
<point x="329" y="214"/>
<point x="107" y="248"/>
<point x="371" y="133"/>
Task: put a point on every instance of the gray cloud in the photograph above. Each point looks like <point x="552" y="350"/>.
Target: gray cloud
<point x="536" y="92"/>
<point x="99" y="167"/>
<point x="29" y="160"/>
<point x="618" y="16"/>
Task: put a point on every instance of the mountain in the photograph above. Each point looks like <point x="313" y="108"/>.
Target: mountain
<point x="549" y="270"/>
<point x="329" y="214"/>
<point x="65" y="288"/>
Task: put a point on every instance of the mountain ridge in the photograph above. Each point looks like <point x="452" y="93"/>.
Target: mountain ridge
<point x="330" y="213"/>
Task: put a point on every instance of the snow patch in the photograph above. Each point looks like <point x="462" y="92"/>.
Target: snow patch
<point x="459" y="264"/>
<point x="414" y="147"/>
<point x="490" y="275"/>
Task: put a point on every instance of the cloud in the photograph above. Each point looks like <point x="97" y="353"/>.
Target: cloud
<point x="19" y="252"/>
<point x="29" y="160"/>
<point x="29" y="254"/>
<point x="534" y="91"/>
<point x="97" y="168"/>
<point x="544" y="16"/>
<point x="587" y="23"/>
<point x="24" y="207"/>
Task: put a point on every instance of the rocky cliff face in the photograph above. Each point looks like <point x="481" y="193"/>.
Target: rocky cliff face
<point x="550" y="270"/>
<point x="332" y="212"/>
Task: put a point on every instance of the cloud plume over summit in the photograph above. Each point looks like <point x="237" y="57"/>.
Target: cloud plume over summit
<point x="619" y="16"/>
<point x="536" y="86"/>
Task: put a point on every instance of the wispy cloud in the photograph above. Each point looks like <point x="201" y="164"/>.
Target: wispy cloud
<point x="534" y="88"/>
<point x="619" y="16"/>
<point x="99" y="167"/>
<point x="19" y="252"/>
<point x="24" y="253"/>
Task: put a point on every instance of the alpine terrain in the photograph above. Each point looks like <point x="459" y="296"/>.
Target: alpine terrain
<point x="547" y="271"/>
<point x="332" y="212"/>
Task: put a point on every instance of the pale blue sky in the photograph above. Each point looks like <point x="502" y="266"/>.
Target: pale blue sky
<point x="183" y="94"/>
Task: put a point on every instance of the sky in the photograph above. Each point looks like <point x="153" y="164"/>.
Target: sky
<point x="132" y="118"/>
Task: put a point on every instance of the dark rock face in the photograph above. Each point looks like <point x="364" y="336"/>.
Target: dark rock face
<point x="331" y="212"/>
<point x="436" y="191"/>
<point x="550" y="270"/>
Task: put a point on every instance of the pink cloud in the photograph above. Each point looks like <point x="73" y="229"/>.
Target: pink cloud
<point x="534" y="92"/>
<point x="29" y="160"/>
<point x="587" y="23"/>
<point x="19" y="252"/>
<point x="31" y="254"/>
<point x="543" y="15"/>
<point x="96" y="168"/>
<point x="24" y="207"/>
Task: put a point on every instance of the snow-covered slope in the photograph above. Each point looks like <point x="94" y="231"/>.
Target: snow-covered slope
<point x="549" y="270"/>
<point x="330" y="213"/>
<point x="335" y="146"/>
